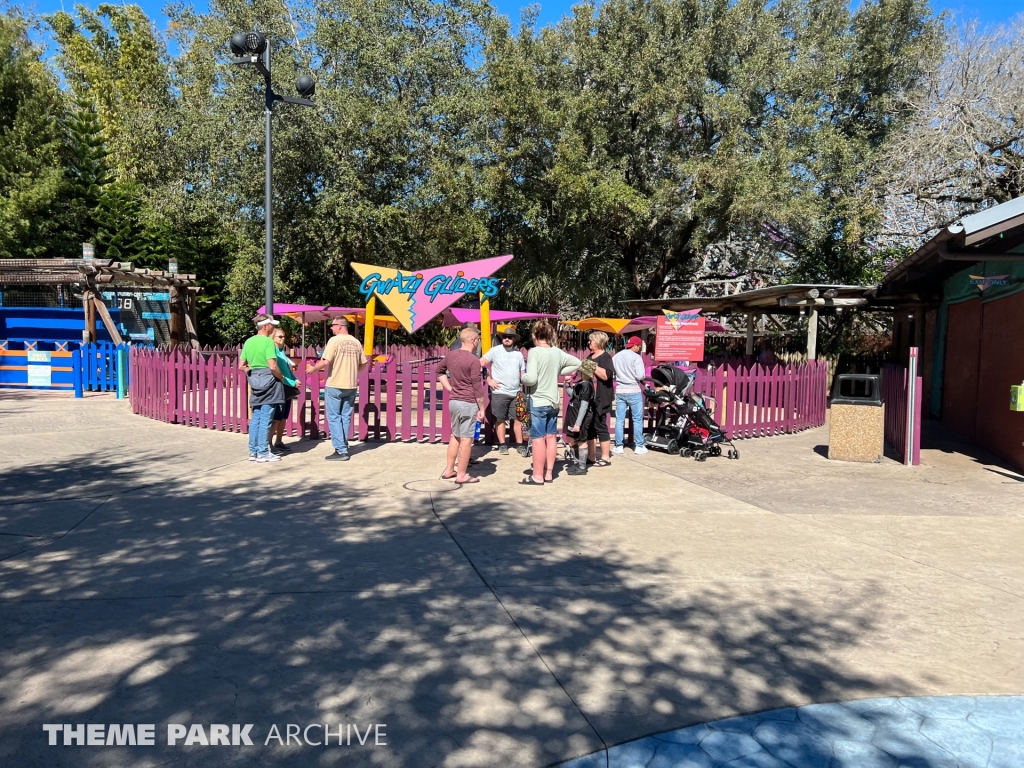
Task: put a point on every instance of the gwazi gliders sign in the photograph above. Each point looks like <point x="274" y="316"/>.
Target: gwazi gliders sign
<point x="416" y="298"/>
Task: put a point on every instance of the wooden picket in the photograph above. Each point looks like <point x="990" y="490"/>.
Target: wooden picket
<point x="399" y="401"/>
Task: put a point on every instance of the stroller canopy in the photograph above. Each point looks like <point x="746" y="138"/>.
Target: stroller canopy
<point x="667" y="375"/>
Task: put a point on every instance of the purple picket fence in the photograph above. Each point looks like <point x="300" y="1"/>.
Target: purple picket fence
<point x="404" y="401"/>
<point x="901" y="393"/>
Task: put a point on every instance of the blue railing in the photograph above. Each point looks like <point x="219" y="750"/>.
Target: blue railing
<point x="64" y="366"/>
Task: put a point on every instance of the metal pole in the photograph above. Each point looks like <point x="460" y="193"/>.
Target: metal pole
<point x="267" y="194"/>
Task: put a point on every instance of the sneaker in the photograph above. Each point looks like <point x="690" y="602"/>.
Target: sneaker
<point x="617" y="450"/>
<point x="639" y="450"/>
<point x="281" y="447"/>
<point x="523" y="450"/>
<point x="503" y="450"/>
<point x="268" y="457"/>
<point x="336" y="456"/>
<point x="575" y="469"/>
<point x="252" y="457"/>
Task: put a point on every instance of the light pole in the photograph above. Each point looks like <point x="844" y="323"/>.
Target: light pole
<point x="253" y="48"/>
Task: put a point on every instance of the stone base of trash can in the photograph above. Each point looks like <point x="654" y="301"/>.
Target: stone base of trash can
<point x="856" y="432"/>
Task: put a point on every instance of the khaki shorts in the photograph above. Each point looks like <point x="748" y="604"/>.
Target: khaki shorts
<point x="463" y="416"/>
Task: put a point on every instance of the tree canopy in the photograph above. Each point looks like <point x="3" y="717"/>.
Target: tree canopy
<point x="633" y="147"/>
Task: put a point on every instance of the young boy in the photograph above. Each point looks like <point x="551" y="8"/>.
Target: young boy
<point x="578" y="415"/>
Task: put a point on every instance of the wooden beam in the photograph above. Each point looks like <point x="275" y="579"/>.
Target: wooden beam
<point x="18" y="278"/>
<point x="750" y="335"/>
<point x="108" y="321"/>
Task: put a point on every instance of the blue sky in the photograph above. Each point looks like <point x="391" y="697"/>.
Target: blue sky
<point x="986" y="11"/>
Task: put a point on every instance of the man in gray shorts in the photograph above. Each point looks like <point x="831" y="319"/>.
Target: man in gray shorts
<point x="506" y="365"/>
<point x="464" y="380"/>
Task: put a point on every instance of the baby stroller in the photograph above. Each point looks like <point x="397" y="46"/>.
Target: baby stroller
<point x="684" y="422"/>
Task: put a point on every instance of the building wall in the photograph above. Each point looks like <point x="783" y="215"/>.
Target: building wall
<point x="1001" y="364"/>
<point x="983" y="356"/>
<point x="960" y="379"/>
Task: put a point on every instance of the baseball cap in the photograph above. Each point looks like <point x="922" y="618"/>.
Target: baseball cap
<point x="635" y="341"/>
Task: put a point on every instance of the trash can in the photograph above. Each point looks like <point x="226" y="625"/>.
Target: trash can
<point x="856" y="430"/>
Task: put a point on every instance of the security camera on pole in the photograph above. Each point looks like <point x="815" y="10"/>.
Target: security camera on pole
<point x="253" y="48"/>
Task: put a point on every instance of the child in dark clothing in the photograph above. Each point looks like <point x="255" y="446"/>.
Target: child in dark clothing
<point x="578" y="415"/>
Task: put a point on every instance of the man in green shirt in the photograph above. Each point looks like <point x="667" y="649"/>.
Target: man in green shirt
<point x="266" y="385"/>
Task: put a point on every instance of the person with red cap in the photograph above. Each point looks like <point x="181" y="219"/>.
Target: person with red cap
<point x="629" y="377"/>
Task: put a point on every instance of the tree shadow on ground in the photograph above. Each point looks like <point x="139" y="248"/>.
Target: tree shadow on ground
<point x="476" y="637"/>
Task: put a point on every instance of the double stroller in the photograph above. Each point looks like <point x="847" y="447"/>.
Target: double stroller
<point x="684" y="423"/>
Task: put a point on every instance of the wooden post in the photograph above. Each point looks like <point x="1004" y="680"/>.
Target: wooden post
<point x="89" y="332"/>
<point x="750" y="334"/>
<point x="371" y="318"/>
<point x="485" y="324"/>
<point x="812" y="335"/>
<point x="191" y="324"/>
<point x="175" y="308"/>
<point x="190" y="329"/>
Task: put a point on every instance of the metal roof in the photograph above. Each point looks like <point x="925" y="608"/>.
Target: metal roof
<point x="776" y="299"/>
<point x="995" y="216"/>
<point x="995" y="234"/>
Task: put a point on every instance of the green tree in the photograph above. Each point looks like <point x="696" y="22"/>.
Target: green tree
<point x="113" y="57"/>
<point x="639" y="133"/>
<point x="119" y="230"/>
<point x="86" y="170"/>
<point x="30" y="147"/>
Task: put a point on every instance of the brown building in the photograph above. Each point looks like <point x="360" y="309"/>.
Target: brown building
<point x="965" y="290"/>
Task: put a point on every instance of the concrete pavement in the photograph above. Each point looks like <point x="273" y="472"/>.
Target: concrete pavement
<point x="150" y="574"/>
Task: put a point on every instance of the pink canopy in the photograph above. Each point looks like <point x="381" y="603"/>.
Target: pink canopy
<point x="312" y="313"/>
<point x="454" y="316"/>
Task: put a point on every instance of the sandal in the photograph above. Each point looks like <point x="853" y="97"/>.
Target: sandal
<point x="529" y="480"/>
<point x="599" y="463"/>
<point x="470" y="481"/>
<point x="452" y="476"/>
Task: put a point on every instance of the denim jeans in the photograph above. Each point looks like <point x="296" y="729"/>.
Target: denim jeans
<point x="543" y="422"/>
<point x="259" y="430"/>
<point x="340" y="404"/>
<point x="635" y="402"/>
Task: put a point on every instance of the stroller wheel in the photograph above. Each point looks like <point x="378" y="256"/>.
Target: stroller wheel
<point x="685" y="453"/>
<point x="700" y="456"/>
<point x="673" y="446"/>
<point x="714" y="450"/>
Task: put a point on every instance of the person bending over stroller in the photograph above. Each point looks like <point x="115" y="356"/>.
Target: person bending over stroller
<point x="579" y="417"/>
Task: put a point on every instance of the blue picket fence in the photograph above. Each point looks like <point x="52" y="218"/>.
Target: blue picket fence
<point x="45" y="364"/>
<point x="104" y="364"/>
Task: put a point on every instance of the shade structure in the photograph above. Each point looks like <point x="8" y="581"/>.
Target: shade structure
<point x="622" y="325"/>
<point x="453" y="317"/>
<point x="379" y="321"/>
<point x="302" y="313"/>
<point x="614" y="325"/>
<point x="313" y="313"/>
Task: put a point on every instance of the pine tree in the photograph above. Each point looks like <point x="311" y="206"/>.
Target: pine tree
<point x="119" y="231"/>
<point x="86" y="168"/>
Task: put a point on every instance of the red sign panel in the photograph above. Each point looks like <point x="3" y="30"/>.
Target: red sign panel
<point x="680" y="340"/>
